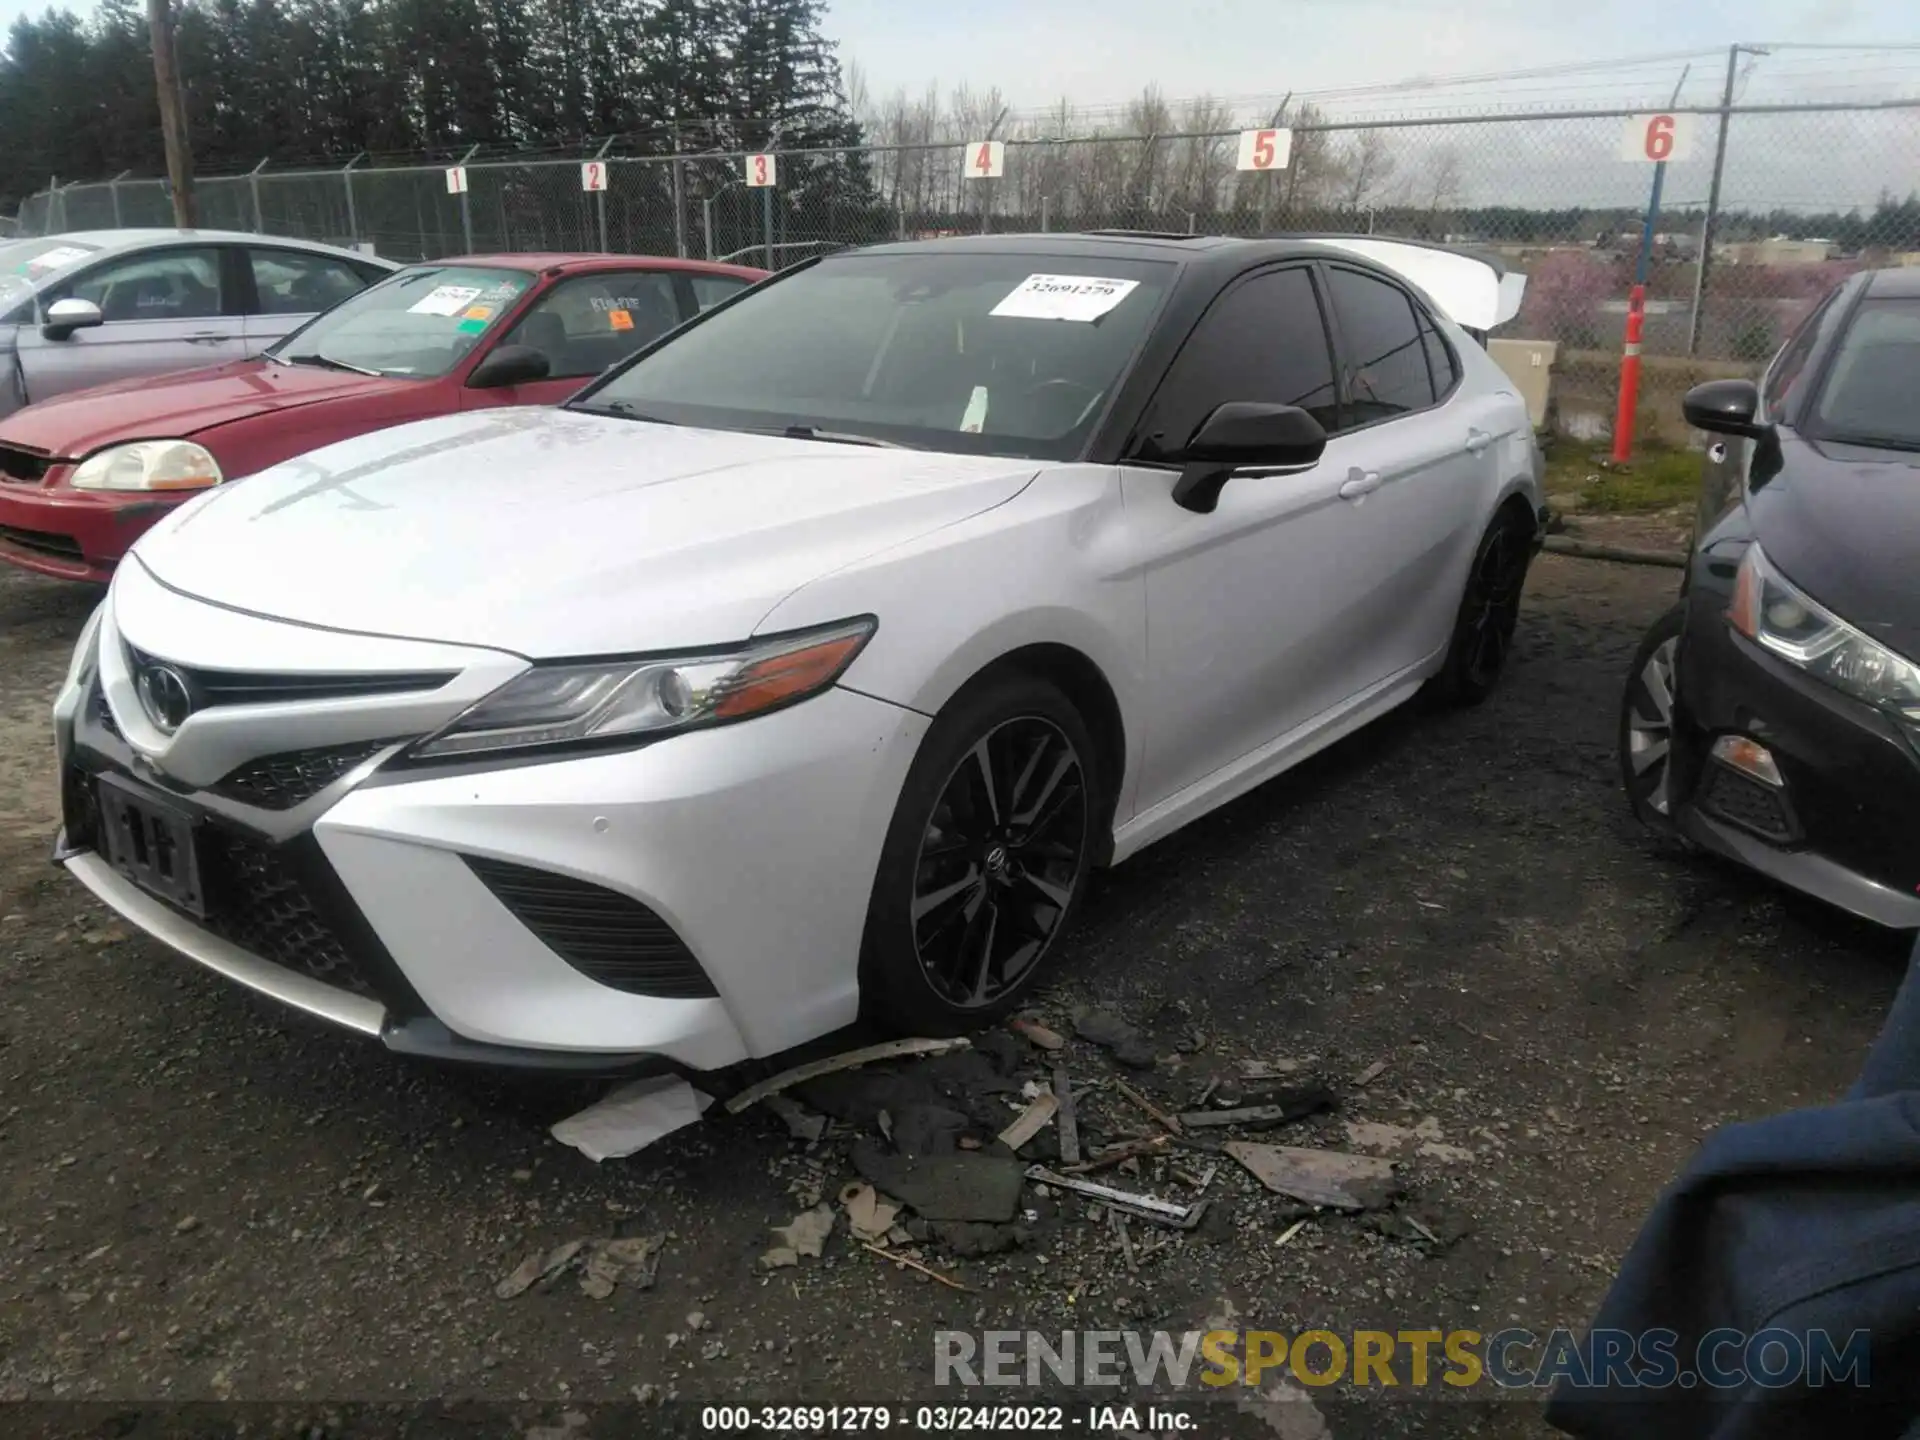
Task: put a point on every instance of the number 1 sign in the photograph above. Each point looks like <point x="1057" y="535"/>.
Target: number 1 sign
<point x="1657" y="138"/>
<point x="986" y="160"/>
<point x="760" y="170"/>
<point x="1264" y="149"/>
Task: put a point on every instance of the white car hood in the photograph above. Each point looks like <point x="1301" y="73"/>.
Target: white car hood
<point x="554" y="533"/>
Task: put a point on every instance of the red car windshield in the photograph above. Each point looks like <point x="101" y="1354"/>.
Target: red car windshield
<point x="419" y="324"/>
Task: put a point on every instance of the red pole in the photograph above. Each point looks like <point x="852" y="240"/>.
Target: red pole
<point x="1629" y="378"/>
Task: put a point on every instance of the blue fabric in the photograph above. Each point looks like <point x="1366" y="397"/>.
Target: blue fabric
<point x="1805" y="1221"/>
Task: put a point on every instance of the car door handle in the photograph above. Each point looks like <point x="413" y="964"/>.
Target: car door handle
<point x="1478" y="440"/>
<point x="1359" y="483"/>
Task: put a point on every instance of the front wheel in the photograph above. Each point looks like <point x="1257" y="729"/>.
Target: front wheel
<point x="985" y="860"/>
<point x="1489" y="612"/>
<point x="1646" y="722"/>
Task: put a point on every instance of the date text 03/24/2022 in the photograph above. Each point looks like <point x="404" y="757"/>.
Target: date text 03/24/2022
<point x="929" y="1419"/>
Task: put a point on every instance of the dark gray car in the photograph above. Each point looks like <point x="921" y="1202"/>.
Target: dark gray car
<point x="94" y="306"/>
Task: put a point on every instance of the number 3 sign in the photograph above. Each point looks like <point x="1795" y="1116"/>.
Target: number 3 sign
<point x="1657" y="138"/>
<point x="760" y="170"/>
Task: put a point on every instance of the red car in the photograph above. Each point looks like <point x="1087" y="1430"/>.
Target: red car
<point x="82" y="476"/>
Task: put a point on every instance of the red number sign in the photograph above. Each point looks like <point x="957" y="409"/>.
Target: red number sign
<point x="1659" y="140"/>
<point x="762" y="171"/>
<point x="593" y="175"/>
<point x="1263" y="150"/>
<point x="983" y="158"/>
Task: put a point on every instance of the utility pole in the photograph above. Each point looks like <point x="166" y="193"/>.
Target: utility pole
<point x="173" y="113"/>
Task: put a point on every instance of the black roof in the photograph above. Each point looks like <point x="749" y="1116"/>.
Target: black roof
<point x="1902" y="283"/>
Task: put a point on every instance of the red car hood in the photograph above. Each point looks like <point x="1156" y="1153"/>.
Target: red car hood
<point x="180" y="404"/>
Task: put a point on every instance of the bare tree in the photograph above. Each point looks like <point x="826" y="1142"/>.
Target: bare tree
<point x="1369" y="165"/>
<point x="1440" y="183"/>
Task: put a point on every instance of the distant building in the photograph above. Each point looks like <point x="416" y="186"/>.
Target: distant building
<point x="1777" y="251"/>
<point x="1906" y="259"/>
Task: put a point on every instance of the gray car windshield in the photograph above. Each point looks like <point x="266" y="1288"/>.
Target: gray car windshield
<point x="987" y="353"/>
<point x="1869" y="393"/>
<point x="418" y="324"/>
<point x="25" y="263"/>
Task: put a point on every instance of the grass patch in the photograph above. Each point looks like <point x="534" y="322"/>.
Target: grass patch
<point x="1659" y="478"/>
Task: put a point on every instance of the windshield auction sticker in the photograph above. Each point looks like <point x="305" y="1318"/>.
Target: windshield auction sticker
<point x="1083" y="298"/>
<point x="445" y="300"/>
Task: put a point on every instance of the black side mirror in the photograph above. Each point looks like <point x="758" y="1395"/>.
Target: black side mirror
<point x="509" y="365"/>
<point x="1724" y="407"/>
<point x="1244" y="435"/>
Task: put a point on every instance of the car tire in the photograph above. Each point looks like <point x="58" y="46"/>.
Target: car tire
<point x="1645" y="731"/>
<point x="985" y="860"/>
<point x="1489" y="612"/>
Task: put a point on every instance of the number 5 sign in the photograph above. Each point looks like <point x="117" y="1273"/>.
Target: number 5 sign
<point x="1264" y="149"/>
<point x="986" y="160"/>
<point x="593" y="175"/>
<point x="1657" y="138"/>
<point x="760" y="170"/>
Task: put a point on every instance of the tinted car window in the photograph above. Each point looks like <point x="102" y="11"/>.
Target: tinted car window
<point x="1868" y="394"/>
<point x="1385" y="363"/>
<point x="1792" y="358"/>
<point x="1264" y="340"/>
<point x="991" y="353"/>
<point x="152" y="285"/>
<point x="421" y="323"/>
<point x="710" y="290"/>
<point x="289" y="282"/>
<point x="585" y="324"/>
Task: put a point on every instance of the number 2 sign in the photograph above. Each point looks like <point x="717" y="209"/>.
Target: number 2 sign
<point x="986" y="160"/>
<point x="593" y="175"/>
<point x="760" y="170"/>
<point x="1264" y="149"/>
<point x="1657" y="138"/>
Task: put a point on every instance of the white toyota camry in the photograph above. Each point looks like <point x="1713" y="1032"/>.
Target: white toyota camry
<point x="806" y="663"/>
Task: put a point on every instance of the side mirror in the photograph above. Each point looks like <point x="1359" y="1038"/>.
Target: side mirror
<point x="1245" y="435"/>
<point x="66" y="316"/>
<point x="509" y="365"/>
<point x="1724" y="407"/>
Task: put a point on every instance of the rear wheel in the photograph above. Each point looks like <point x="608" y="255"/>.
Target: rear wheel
<point x="985" y="860"/>
<point x="1489" y="611"/>
<point x="1646" y="722"/>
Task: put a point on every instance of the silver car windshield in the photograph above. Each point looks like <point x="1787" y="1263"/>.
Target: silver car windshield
<point x="418" y="324"/>
<point x="989" y="353"/>
<point x="25" y="263"/>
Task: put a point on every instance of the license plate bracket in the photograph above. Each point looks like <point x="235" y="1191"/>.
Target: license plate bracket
<point x="152" y="843"/>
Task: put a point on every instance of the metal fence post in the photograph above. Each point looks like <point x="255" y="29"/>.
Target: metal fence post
<point x="56" y="206"/>
<point x="253" y="184"/>
<point x="766" y="219"/>
<point x="466" y="209"/>
<point x="353" y="218"/>
<point x="1046" y="213"/>
<point x="1705" y="261"/>
<point x="679" y="201"/>
<point x="706" y="222"/>
<point x="600" y="195"/>
<point x="113" y="188"/>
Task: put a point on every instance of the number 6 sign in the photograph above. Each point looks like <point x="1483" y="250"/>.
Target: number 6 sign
<point x="760" y="170"/>
<point x="1264" y="149"/>
<point x="986" y="160"/>
<point x="1657" y="138"/>
<point x="593" y="175"/>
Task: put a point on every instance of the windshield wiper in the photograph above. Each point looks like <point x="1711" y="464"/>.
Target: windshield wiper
<point x="327" y="362"/>
<point x="836" y="437"/>
<point x="623" y="408"/>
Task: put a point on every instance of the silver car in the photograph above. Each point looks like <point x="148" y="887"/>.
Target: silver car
<point x="95" y="306"/>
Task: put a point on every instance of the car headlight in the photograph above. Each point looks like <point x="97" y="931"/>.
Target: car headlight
<point x="641" y="698"/>
<point x="1782" y="620"/>
<point x="148" y="465"/>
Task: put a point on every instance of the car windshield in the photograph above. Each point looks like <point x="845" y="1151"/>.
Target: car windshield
<point x="420" y="323"/>
<point x="1869" y="393"/>
<point x="25" y="263"/>
<point x="986" y="353"/>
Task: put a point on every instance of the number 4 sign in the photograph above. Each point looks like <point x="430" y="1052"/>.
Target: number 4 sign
<point x="1657" y="138"/>
<point x="593" y="175"/>
<point x="760" y="170"/>
<point x="1264" y="149"/>
<point x="986" y="160"/>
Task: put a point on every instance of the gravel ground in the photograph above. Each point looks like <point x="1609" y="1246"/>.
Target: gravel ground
<point x="206" y="1199"/>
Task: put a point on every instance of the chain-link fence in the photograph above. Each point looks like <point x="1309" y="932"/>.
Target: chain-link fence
<point x="1764" y="207"/>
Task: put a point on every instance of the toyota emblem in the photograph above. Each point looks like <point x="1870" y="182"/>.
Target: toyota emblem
<point x="164" y="696"/>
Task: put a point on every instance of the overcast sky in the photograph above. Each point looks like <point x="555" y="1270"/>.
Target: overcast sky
<point x="1105" y="50"/>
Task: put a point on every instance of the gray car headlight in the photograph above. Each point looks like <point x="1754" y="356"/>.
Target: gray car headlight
<point x="148" y="465"/>
<point x="1785" y="622"/>
<point x="641" y="698"/>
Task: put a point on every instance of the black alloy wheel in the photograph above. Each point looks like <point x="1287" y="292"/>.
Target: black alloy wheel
<point x="1646" y="722"/>
<point x="1489" y="612"/>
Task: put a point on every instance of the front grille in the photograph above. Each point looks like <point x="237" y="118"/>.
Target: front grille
<point x="280" y="782"/>
<point x="42" y="542"/>
<point x="1742" y="801"/>
<point x="255" y="901"/>
<point x="247" y="687"/>
<point x="606" y="936"/>
<point x="24" y="465"/>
